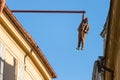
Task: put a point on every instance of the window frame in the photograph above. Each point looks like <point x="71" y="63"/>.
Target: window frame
<point x="1" y="60"/>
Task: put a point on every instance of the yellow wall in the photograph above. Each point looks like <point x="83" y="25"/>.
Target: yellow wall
<point x="13" y="55"/>
<point x="18" y="55"/>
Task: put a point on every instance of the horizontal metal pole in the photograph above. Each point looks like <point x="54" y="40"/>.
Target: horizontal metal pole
<point x="46" y="11"/>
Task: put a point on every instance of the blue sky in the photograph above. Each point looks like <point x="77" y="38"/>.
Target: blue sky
<point x="56" y="34"/>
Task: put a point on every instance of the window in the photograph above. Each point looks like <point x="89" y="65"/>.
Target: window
<point x="1" y="60"/>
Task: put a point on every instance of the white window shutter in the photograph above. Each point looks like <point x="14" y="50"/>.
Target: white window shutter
<point x="20" y="71"/>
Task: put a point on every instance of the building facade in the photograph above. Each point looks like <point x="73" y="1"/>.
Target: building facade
<point x="111" y="36"/>
<point x="20" y="57"/>
<point x="98" y="71"/>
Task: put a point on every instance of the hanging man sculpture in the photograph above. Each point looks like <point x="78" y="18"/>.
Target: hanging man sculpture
<point x="2" y="4"/>
<point x="82" y="31"/>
